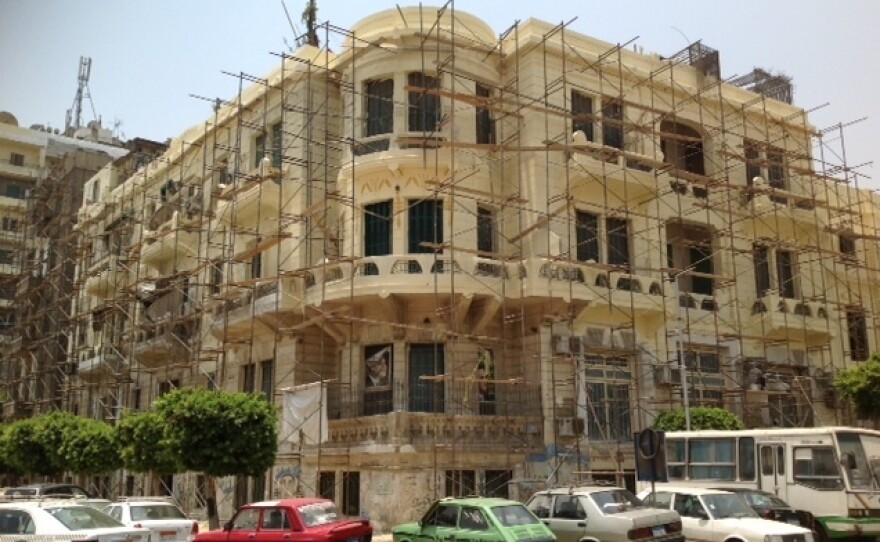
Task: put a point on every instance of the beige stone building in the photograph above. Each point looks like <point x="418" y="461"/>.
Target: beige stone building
<point x="492" y="249"/>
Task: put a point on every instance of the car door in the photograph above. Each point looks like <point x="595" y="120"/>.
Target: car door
<point x="695" y="520"/>
<point x="473" y="525"/>
<point x="568" y="520"/>
<point x="275" y="525"/>
<point x="440" y="524"/>
<point x="243" y="526"/>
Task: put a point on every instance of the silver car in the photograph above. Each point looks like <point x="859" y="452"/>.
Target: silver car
<point x="166" y="522"/>
<point x="606" y="514"/>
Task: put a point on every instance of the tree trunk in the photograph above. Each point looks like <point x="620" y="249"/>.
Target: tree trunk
<point x="211" y="503"/>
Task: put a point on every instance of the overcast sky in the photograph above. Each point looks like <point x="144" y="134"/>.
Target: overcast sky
<point x="149" y="57"/>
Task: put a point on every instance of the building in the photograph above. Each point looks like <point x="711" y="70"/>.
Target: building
<point x="499" y="255"/>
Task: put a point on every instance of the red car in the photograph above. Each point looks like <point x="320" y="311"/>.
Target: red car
<point x="290" y="520"/>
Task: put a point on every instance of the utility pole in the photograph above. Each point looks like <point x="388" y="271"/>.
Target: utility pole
<point x="73" y="120"/>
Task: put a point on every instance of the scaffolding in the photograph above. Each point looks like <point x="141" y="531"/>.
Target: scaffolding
<point x="497" y="252"/>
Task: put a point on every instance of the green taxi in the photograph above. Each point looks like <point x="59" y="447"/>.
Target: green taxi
<point x="475" y="519"/>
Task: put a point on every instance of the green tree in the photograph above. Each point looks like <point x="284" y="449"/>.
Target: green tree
<point x="701" y="418"/>
<point x="220" y="433"/>
<point x="143" y="446"/>
<point x="92" y="448"/>
<point x="861" y="385"/>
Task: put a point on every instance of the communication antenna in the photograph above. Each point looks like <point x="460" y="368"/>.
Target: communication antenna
<point x="73" y="121"/>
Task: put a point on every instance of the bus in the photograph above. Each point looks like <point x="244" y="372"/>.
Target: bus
<point x="832" y="472"/>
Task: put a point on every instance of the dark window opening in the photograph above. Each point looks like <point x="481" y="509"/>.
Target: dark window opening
<point x="248" y="377"/>
<point x="612" y="412"/>
<point x="612" y="123"/>
<point x="259" y="149"/>
<point x="582" y="114"/>
<point x="377" y="228"/>
<point x="327" y="485"/>
<point x="426" y="395"/>
<point x="351" y="493"/>
<point x="425" y="226"/>
<point x="682" y="147"/>
<point x="256" y="266"/>
<point x="379" y="97"/>
<point x="277" y="141"/>
<point x="267" y="384"/>
<point x="587" y="236"/>
<point x="762" y="270"/>
<point x="486" y="231"/>
<point x="617" y="230"/>
<point x="460" y="483"/>
<point x="785" y="273"/>
<point x="847" y="246"/>
<point x="497" y="483"/>
<point x="424" y="103"/>
<point x="858" y="334"/>
<point x="484" y="120"/>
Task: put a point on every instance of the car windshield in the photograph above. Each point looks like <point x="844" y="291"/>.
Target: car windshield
<point x="78" y="518"/>
<point x="511" y="515"/>
<point x="614" y="501"/>
<point x="727" y="505"/>
<point x="318" y="513"/>
<point x="860" y="457"/>
<point x="155" y="511"/>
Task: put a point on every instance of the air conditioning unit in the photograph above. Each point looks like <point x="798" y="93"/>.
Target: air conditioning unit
<point x="569" y="427"/>
<point x="597" y="337"/>
<point x="667" y="375"/>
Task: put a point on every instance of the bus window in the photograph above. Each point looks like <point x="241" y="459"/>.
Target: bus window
<point x="675" y="459"/>
<point x="747" y="458"/>
<point x="711" y="459"/>
<point x="815" y="467"/>
<point x="855" y="449"/>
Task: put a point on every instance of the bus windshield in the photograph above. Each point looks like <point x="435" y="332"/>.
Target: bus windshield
<point x="860" y="458"/>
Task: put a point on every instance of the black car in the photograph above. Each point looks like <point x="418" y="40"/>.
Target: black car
<point x="769" y="506"/>
<point x="32" y="491"/>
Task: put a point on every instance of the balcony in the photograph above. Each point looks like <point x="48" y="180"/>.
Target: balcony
<point x="101" y="363"/>
<point x="415" y="150"/>
<point x="776" y="316"/>
<point x="407" y="274"/>
<point x="107" y="278"/>
<point x="253" y="198"/>
<point x="234" y="316"/>
<point x="17" y="409"/>
<point x="173" y="244"/>
<point x="627" y="175"/>
<point x="19" y="170"/>
<point x="166" y="344"/>
<point x="774" y="209"/>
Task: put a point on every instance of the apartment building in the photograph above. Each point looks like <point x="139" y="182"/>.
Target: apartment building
<point x="493" y="253"/>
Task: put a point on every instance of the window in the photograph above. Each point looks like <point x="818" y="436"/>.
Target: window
<point x="497" y="483"/>
<point x="379" y="96"/>
<point x="858" y="334"/>
<point x="486" y="232"/>
<point x="608" y="408"/>
<point x="255" y="268"/>
<point x="568" y="507"/>
<point x="768" y="162"/>
<point x="246" y="520"/>
<point x="351" y="493"/>
<point x="377" y="228"/>
<point x="216" y="278"/>
<point x="378" y="395"/>
<point x="275" y="519"/>
<point x="485" y="122"/>
<point x="618" y="241"/>
<point x="460" y="483"/>
<point x="426" y="395"/>
<point x="817" y="468"/>
<point x="168" y="386"/>
<point x="16" y="159"/>
<point x="746" y="458"/>
<point x="277" y="134"/>
<point x="540" y="505"/>
<point x="711" y="459"/>
<point x="259" y="149"/>
<point x="472" y="519"/>
<point x="424" y="103"/>
<point x="248" y="377"/>
<point x="425" y="225"/>
<point x="267" y="384"/>
<point x="785" y="264"/>
<point x="442" y="515"/>
<point x="582" y="114"/>
<point x="14" y="191"/>
<point x="847" y="245"/>
<point x="675" y="459"/>
<point x="689" y="251"/>
<point x="587" y="236"/>
<point x="327" y="485"/>
<point x="682" y="147"/>
<point x="612" y="122"/>
<point x="136" y="399"/>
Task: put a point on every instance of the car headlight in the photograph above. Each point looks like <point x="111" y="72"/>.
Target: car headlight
<point x="773" y="538"/>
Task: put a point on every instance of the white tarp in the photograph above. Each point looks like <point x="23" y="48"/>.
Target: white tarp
<point x="304" y="414"/>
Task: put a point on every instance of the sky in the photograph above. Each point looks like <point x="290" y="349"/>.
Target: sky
<point x="150" y="58"/>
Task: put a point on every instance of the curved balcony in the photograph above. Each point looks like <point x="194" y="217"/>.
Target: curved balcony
<point x="777" y="316"/>
<point x="390" y="154"/>
<point x="782" y="211"/>
<point x="407" y="274"/>
<point x="252" y="199"/>
<point x="108" y="279"/>
<point x="234" y="316"/>
<point x="101" y="363"/>
<point x="627" y="174"/>
<point x="176" y="245"/>
<point x="163" y="345"/>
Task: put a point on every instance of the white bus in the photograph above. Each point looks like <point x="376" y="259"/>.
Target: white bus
<point x="833" y="472"/>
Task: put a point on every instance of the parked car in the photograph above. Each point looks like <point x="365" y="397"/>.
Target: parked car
<point x="290" y="520"/>
<point x="609" y="514"/>
<point x="769" y="506"/>
<point x="475" y="518"/>
<point x="47" y="490"/>
<point x="715" y="515"/>
<point x="67" y="519"/>
<point x="165" y="521"/>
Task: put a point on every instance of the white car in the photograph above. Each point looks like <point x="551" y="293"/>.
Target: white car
<point x="166" y="522"/>
<point x="62" y="520"/>
<point x="718" y="516"/>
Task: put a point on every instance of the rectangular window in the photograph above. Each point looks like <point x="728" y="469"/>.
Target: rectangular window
<point x="379" y="96"/>
<point x="711" y="459"/>
<point x="351" y="493"/>
<point x="277" y="141"/>
<point x="497" y="483"/>
<point x="248" y="377"/>
<point x="13" y="191"/>
<point x="267" y="382"/>
<point x="617" y="230"/>
<point x="847" y="246"/>
<point x="484" y="120"/>
<point x="424" y="103"/>
<point x="612" y="123"/>
<point x="486" y="232"/>
<point x="327" y="485"/>
<point x="425" y="225"/>
<point x="378" y="364"/>
<point x="746" y="458"/>
<point x="10" y="224"/>
<point x="762" y="270"/>
<point x="753" y="164"/>
<point x="256" y="266"/>
<point x="582" y="114"/>
<point x="587" y="236"/>
<point x="168" y="386"/>
<point x="216" y="278"/>
<point x="785" y="273"/>
<point x="701" y="262"/>
<point x="259" y="149"/>
<point x="609" y="405"/>
<point x="16" y="159"/>
<point x="377" y="228"/>
<point x="136" y="399"/>
<point x="858" y="334"/>
<point x="460" y="483"/>
<point x="426" y="395"/>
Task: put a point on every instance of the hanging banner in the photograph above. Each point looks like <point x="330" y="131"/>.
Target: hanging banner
<point x="304" y="414"/>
